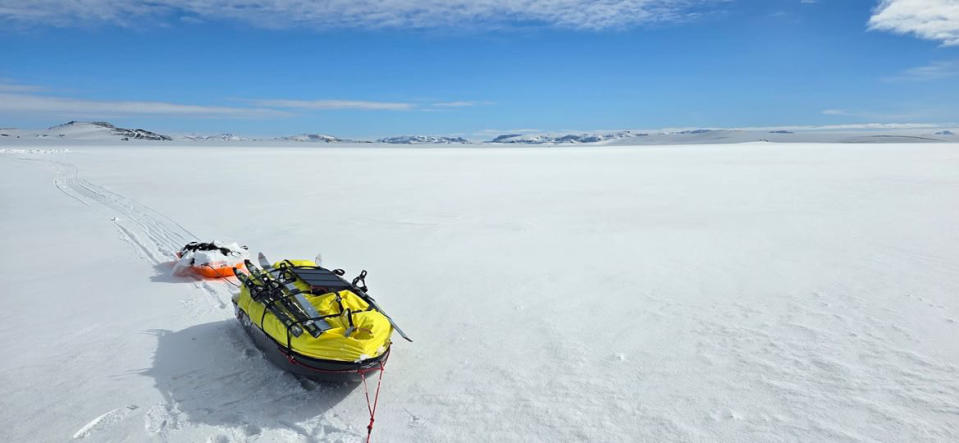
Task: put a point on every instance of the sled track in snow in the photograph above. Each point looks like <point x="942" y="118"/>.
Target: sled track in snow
<point x="161" y="235"/>
<point x="154" y="236"/>
<point x="192" y="397"/>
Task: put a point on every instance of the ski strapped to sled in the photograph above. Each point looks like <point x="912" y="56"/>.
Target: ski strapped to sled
<point x="292" y="299"/>
<point x="281" y="302"/>
<point x="323" y="280"/>
<point x="290" y="290"/>
<point x="262" y="294"/>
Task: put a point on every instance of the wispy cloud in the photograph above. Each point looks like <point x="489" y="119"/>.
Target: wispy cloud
<point x="7" y="85"/>
<point x="365" y="105"/>
<point x="334" y="104"/>
<point x="20" y="98"/>
<point x="873" y="115"/>
<point x="937" y="70"/>
<point x="844" y="126"/>
<point x="459" y="104"/>
<point x="325" y="14"/>
<point x="928" y="19"/>
<point x="31" y="103"/>
<point x="508" y="131"/>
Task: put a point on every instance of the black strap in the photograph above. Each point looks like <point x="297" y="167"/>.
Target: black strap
<point x="201" y="246"/>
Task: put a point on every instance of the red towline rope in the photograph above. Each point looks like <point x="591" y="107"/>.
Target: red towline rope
<point x="376" y="399"/>
<point x="371" y="406"/>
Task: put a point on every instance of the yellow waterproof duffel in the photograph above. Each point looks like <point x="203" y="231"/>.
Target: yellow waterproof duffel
<point x="310" y="321"/>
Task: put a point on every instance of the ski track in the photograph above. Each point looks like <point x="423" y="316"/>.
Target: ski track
<point x="105" y="420"/>
<point x="162" y="236"/>
<point x="154" y="237"/>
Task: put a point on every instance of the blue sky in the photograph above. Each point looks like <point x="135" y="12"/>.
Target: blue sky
<point x="367" y="69"/>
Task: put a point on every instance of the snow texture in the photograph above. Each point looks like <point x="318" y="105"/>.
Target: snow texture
<point x="742" y="292"/>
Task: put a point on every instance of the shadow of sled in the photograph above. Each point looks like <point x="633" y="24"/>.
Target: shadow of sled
<point x="163" y="273"/>
<point x="215" y="375"/>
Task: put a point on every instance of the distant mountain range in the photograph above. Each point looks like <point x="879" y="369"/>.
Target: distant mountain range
<point x="104" y="131"/>
<point x="219" y="137"/>
<point x="538" y="139"/>
<point x="322" y="138"/>
<point x="422" y="139"/>
<point x="399" y="140"/>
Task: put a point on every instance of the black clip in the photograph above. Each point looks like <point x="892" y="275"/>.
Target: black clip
<point x="360" y="281"/>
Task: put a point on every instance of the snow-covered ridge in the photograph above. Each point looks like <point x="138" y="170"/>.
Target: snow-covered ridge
<point x="226" y="137"/>
<point x="422" y="139"/>
<point x="76" y="130"/>
<point x="719" y="135"/>
<point x="323" y="138"/>
<point x="535" y="139"/>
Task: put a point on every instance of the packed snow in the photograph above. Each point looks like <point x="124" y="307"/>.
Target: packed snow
<point x="727" y="292"/>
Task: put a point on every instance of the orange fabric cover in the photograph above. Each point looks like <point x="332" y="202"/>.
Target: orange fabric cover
<point x="216" y="271"/>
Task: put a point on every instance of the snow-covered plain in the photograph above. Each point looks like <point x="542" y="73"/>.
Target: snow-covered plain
<point x="744" y="292"/>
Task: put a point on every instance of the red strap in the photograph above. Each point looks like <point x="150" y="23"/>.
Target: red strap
<point x="371" y="406"/>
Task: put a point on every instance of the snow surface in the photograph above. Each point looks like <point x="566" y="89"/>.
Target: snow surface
<point x="750" y="292"/>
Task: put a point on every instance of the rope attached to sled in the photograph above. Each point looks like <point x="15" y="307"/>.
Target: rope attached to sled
<point x="370" y="405"/>
<point x="376" y="398"/>
<point x="224" y="278"/>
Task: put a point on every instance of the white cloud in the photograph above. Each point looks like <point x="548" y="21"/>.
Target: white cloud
<point x="325" y="14"/>
<point x="335" y="104"/>
<point x="21" y="103"/>
<point x="928" y="19"/>
<point x="834" y="112"/>
<point x="934" y="71"/>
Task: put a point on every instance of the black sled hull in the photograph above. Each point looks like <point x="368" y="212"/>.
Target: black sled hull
<point x="324" y="371"/>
